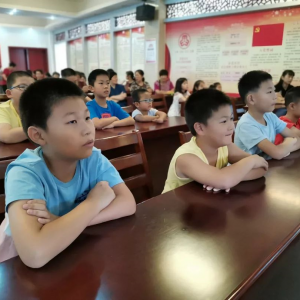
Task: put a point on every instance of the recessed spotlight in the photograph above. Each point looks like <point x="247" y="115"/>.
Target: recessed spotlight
<point x="12" y="12"/>
<point x="52" y="18"/>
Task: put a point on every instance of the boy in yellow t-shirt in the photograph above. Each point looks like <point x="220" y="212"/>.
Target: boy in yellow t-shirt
<point x="11" y="130"/>
<point x="205" y="158"/>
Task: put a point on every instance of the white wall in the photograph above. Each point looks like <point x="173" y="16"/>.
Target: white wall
<point x="25" y="37"/>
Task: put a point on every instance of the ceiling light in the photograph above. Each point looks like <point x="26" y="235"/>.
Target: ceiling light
<point x="12" y="11"/>
<point x="52" y="18"/>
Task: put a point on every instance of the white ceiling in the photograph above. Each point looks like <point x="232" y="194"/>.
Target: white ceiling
<point x="51" y="14"/>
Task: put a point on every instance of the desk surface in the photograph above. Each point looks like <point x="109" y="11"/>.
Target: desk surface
<point x="185" y="244"/>
<point x="172" y="125"/>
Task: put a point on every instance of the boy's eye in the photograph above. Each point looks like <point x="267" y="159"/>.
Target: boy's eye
<point x="72" y="122"/>
<point x="88" y="118"/>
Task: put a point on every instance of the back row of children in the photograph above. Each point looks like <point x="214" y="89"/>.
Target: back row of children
<point x="54" y="192"/>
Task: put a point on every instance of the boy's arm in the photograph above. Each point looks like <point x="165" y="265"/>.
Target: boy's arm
<point x="142" y="118"/>
<point x="279" y="151"/>
<point x="123" y="205"/>
<point x="161" y="115"/>
<point x="125" y="122"/>
<point x="119" y="97"/>
<point x="37" y="244"/>
<point x="235" y="154"/>
<point x="190" y="166"/>
<point x="290" y="132"/>
<point x="103" y="122"/>
<point x="11" y="135"/>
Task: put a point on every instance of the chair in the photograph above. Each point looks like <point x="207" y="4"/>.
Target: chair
<point x="185" y="137"/>
<point x="159" y="102"/>
<point x="128" y="109"/>
<point x="238" y="108"/>
<point x="125" y="162"/>
<point x="3" y="166"/>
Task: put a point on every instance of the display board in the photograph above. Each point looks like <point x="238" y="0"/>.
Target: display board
<point x="224" y="48"/>
<point x="104" y="51"/>
<point x="138" y="48"/>
<point x="92" y="53"/>
<point x="76" y="55"/>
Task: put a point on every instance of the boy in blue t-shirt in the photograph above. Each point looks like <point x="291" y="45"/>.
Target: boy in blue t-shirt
<point x="105" y="114"/>
<point x="257" y="129"/>
<point x="55" y="191"/>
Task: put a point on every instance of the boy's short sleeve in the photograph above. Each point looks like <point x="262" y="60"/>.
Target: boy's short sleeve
<point x="92" y="110"/>
<point x="119" y="112"/>
<point x="279" y="125"/>
<point x="250" y="135"/>
<point x="107" y="172"/>
<point x="22" y="184"/>
<point x="135" y="113"/>
<point x="4" y="117"/>
<point x="152" y="112"/>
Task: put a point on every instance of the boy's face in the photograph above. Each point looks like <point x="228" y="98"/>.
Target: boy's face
<point x="39" y="75"/>
<point x="143" y="105"/>
<point x="72" y="78"/>
<point x="55" y="76"/>
<point x="264" y="99"/>
<point x="220" y="127"/>
<point x="19" y="86"/>
<point x="101" y="86"/>
<point x="70" y="132"/>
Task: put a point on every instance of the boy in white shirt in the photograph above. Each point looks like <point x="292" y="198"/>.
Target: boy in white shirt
<point x="144" y="111"/>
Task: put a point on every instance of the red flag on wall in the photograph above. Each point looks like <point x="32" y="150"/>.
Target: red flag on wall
<point x="268" y="35"/>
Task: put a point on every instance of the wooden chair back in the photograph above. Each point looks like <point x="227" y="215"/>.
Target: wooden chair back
<point x="238" y="108"/>
<point x="159" y="102"/>
<point x="182" y="110"/>
<point x="129" y="109"/>
<point x="3" y="97"/>
<point x="138" y="158"/>
<point x="185" y="137"/>
<point x="3" y="167"/>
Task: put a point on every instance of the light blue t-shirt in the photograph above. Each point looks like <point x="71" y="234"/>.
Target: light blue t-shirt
<point x="28" y="177"/>
<point x="152" y="112"/>
<point x="249" y="133"/>
<point x="112" y="110"/>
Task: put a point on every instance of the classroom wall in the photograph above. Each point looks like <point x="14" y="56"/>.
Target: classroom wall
<point x="25" y="37"/>
<point x="223" y="48"/>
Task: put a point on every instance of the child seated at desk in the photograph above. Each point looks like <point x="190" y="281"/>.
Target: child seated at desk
<point x="205" y="158"/>
<point x="144" y="111"/>
<point x="105" y="113"/>
<point x="257" y="129"/>
<point x="292" y="118"/>
<point x="55" y="191"/>
<point x="11" y="130"/>
<point x="181" y="94"/>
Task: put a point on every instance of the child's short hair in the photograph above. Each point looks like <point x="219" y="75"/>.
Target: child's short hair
<point x="178" y="85"/>
<point x="38" y="99"/>
<point x="136" y="95"/>
<point x="163" y="73"/>
<point x="12" y="77"/>
<point x="94" y="74"/>
<point x="55" y="73"/>
<point x="251" y="81"/>
<point x="112" y="74"/>
<point x="201" y="105"/>
<point x="292" y="96"/>
<point x="67" y="72"/>
<point x="12" y="64"/>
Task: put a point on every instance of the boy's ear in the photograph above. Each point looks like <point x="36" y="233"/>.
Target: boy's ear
<point x="250" y="99"/>
<point x="8" y="93"/>
<point x="91" y="88"/>
<point x="137" y="104"/>
<point x="36" y="135"/>
<point x="199" y="128"/>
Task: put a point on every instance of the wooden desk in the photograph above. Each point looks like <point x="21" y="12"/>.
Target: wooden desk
<point x="10" y="151"/>
<point x="3" y="98"/>
<point x="185" y="244"/>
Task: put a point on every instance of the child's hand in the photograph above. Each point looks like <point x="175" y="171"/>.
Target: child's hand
<point x="210" y="188"/>
<point x="259" y="162"/>
<point x="38" y="209"/>
<point x="102" y="194"/>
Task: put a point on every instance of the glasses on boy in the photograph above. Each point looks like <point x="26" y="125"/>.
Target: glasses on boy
<point x="147" y="100"/>
<point x="20" y="87"/>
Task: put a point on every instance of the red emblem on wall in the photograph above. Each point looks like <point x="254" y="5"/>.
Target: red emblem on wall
<point x="184" y="41"/>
